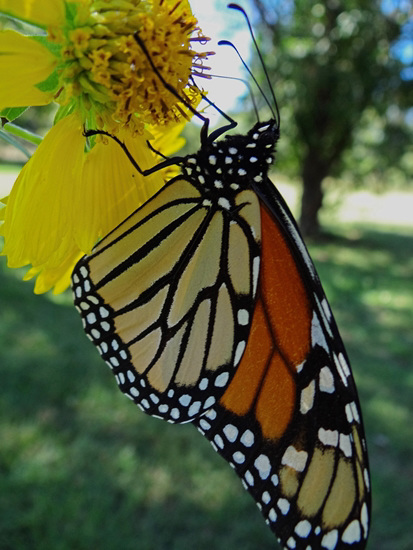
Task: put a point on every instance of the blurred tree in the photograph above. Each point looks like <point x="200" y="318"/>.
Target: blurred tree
<point x="332" y="62"/>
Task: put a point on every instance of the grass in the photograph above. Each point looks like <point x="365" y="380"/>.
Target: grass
<point x="82" y="468"/>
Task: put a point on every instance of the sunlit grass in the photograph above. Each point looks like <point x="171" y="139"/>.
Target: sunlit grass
<point x="81" y="467"/>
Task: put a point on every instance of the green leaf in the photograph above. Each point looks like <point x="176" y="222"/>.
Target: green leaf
<point x="13" y="141"/>
<point x="11" y="113"/>
<point x="62" y="112"/>
<point x="51" y="46"/>
<point x="50" y="84"/>
<point x="71" y="13"/>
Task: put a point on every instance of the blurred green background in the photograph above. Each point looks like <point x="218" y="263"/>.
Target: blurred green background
<point x="81" y="467"/>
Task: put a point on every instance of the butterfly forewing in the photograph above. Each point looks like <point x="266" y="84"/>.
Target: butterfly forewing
<point x="167" y="297"/>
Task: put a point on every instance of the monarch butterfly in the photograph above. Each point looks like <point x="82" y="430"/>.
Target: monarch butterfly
<point x="207" y="307"/>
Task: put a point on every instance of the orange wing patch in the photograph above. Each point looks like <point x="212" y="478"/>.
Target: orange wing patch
<point x="279" y="339"/>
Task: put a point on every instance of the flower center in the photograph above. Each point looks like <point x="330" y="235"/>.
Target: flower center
<point x="105" y="70"/>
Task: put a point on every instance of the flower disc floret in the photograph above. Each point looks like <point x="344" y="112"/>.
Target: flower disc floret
<point x="104" y="68"/>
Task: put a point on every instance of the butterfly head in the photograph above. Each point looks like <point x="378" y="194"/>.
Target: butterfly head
<point x="237" y="161"/>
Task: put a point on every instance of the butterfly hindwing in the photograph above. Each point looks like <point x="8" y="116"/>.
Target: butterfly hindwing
<point x="171" y="325"/>
<point x="290" y="423"/>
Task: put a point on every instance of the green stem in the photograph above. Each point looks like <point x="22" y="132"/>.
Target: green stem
<point x="22" y="133"/>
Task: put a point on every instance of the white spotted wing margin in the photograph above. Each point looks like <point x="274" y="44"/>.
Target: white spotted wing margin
<point x="167" y="303"/>
<point x="312" y="482"/>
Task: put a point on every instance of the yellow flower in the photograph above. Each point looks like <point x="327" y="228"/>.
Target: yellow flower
<point x="70" y="194"/>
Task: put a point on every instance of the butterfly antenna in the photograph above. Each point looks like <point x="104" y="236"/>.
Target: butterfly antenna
<point x="239" y="8"/>
<point x="228" y="43"/>
<point x="245" y="82"/>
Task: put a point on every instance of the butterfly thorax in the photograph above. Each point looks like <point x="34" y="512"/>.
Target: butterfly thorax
<point x="235" y="162"/>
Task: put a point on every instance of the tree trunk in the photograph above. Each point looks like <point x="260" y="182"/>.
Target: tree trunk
<point x="312" y="198"/>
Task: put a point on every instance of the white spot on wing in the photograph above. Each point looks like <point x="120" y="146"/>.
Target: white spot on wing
<point x="255" y="274"/>
<point x="326" y="309"/>
<point x="263" y="465"/>
<point x="326" y="380"/>
<point x="345" y="445"/>
<point x="307" y="398"/>
<point x="194" y="408"/>
<point x="266" y="497"/>
<point x="224" y="203"/>
<point x="247" y="438"/>
<point x="211" y="414"/>
<point x="344" y="364"/>
<point x="203" y="384"/>
<point x="349" y="413"/>
<point x="303" y="528"/>
<point x="243" y="317"/>
<point x="295" y="459"/>
<point x="365" y="519"/>
<point x="221" y="379"/>
<point x="283" y="505"/>
<point x="326" y="319"/>
<point x="317" y="335"/>
<point x="329" y="541"/>
<point x="238" y="352"/>
<point x="328" y="437"/>
<point x="340" y="370"/>
<point x="238" y="457"/>
<point x="300" y="366"/>
<point x="219" y="441"/>
<point x="355" y="411"/>
<point x="352" y="532"/>
<point x="209" y="402"/>
<point x="185" y="400"/>
<point x="367" y="478"/>
<point x="230" y="432"/>
<point x="91" y="318"/>
<point x="204" y="424"/>
<point x="249" y="478"/>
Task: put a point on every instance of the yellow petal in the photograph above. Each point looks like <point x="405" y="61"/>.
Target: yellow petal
<point x="24" y="62"/>
<point x="112" y="187"/>
<point x="40" y="203"/>
<point x="43" y="13"/>
<point x="64" y="200"/>
<point x="56" y="278"/>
